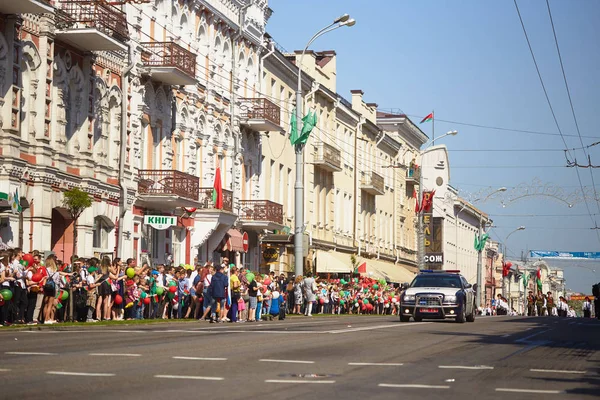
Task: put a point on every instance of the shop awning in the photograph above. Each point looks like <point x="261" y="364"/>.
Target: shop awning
<point x="389" y="271"/>
<point x="333" y="262"/>
<point x="234" y="242"/>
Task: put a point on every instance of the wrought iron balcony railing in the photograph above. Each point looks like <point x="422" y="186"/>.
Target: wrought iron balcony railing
<point x="168" y="182"/>
<point x="372" y="182"/>
<point x="261" y="210"/>
<point x="169" y="54"/>
<point x="206" y="199"/>
<point x="94" y="14"/>
<point x="260" y="109"/>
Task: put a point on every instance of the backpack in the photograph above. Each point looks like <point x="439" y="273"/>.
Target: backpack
<point x="197" y="281"/>
<point x="50" y="285"/>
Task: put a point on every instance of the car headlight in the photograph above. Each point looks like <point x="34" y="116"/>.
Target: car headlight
<point x="409" y="297"/>
<point x="450" y="299"/>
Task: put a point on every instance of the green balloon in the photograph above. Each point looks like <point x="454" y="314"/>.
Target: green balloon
<point x="365" y="301"/>
<point x="343" y="281"/>
<point x="144" y="295"/>
<point x="6" y="294"/>
<point x="250" y="277"/>
<point x="160" y="290"/>
<point x="170" y="295"/>
<point x="342" y="302"/>
<point x="172" y="283"/>
<point x="130" y="273"/>
<point x="375" y="286"/>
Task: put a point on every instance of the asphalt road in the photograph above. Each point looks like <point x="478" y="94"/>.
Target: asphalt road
<point x="301" y="358"/>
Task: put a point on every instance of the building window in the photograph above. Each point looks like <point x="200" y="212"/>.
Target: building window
<point x="101" y="231"/>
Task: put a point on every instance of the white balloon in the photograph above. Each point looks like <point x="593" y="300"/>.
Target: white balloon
<point x="275" y="295"/>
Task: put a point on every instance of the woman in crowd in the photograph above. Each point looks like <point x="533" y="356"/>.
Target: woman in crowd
<point x="104" y="291"/>
<point x="298" y="298"/>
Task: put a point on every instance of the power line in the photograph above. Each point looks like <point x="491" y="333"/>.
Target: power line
<point x="552" y="110"/>
<point x="508" y="186"/>
<point x="562" y="68"/>
<point x="501" y="128"/>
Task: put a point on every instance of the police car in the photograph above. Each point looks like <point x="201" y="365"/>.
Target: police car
<point x="438" y="295"/>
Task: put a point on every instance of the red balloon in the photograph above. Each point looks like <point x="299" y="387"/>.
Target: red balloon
<point x="118" y="299"/>
<point x="147" y="300"/>
<point x="267" y="282"/>
<point x="37" y="277"/>
<point x="29" y="258"/>
<point x="321" y="301"/>
<point x="172" y="289"/>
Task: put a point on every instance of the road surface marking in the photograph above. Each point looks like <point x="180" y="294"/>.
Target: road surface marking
<point x="199" y="358"/>
<point x="528" y="391"/>
<point x="558" y="371"/>
<point x="294" y="381"/>
<point x="408" y="386"/>
<point x="507" y="335"/>
<point x="4" y="369"/>
<point x="465" y="367"/>
<point x="199" y="378"/>
<point x="78" y="373"/>
<point x="525" y="339"/>
<point x="377" y="364"/>
<point x="115" y="355"/>
<point x="287" y="361"/>
<point x="28" y="353"/>
<point x="372" y="328"/>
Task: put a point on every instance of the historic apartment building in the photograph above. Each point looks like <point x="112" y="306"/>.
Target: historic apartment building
<point x="141" y="104"/>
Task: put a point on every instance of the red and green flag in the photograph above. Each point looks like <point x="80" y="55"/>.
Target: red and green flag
<point x="217" y="195"/>
<point x="427" y="118"/>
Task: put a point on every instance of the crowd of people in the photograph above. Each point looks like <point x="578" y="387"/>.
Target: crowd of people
<point x="35" y="290"/>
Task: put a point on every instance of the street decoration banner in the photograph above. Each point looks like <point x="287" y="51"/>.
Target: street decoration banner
<point x="564" y="254"/>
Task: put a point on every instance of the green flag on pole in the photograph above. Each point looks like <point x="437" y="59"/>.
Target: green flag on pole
<point x="308" y="123"/>
<point x="293" y="128"/>
<point x="525" y="279"/>
<point x="480" y="241"/>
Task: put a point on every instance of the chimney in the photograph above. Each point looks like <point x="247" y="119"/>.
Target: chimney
<point x="357" y="99"/>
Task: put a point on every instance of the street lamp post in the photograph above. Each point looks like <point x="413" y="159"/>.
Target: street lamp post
<point x="343" y="20"/>
<point x="520" y="228"/>
<point x="420" y="240"/>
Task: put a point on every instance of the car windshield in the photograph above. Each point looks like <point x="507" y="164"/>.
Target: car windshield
<point x="436" y="281"/>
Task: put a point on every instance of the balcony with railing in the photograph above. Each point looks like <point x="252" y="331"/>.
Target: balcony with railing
<point x="168" y="188"/>
<point x="413" y="175"/>
<point x="261" y="214"/>
<point x="91" y="25"/>
<point x="328" y="157"/>
<point x="169" y="63"/>
<point x="372" y="183"/>
<point x="206" y="199"/>
<point x="260" y="114"/>
<point x="25" y="7"/>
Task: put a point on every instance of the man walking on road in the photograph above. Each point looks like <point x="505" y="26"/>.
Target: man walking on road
<point x="218" y="292"/>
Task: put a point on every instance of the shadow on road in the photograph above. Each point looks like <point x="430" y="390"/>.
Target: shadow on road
<point x="562" y="343"/>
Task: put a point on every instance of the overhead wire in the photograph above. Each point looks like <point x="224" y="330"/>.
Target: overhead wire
<point x="562" y="68"/>
<point x="552" y="111"/>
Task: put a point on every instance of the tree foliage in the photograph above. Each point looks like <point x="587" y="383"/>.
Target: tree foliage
<point x="76" y="201"/>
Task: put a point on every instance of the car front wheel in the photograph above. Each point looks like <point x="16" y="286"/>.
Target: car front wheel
<point x="460" y="318"/>
<point x="471" y="316"/>
<point x="404" y="318"/>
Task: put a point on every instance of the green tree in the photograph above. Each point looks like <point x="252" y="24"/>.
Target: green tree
<point x="76" y="201"/>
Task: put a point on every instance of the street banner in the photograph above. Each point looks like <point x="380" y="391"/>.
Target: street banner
<point x="564" y="254"/>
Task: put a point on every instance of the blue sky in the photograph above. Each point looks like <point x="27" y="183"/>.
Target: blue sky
<point x="469" y="61"/>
